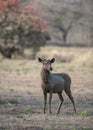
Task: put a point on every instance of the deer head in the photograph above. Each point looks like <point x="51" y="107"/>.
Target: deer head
<point x="47" y="63"/>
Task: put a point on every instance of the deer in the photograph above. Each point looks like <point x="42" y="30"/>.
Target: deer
<point x="54" y="83"/>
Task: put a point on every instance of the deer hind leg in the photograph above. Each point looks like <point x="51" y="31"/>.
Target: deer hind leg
<point x="61" y="98"/>
<point x="68" y="92"/>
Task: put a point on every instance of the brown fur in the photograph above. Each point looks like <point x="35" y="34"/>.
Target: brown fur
<point x="47" y="88"/>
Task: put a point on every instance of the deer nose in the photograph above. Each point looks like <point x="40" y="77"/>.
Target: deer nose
<point x="51" y="68"/>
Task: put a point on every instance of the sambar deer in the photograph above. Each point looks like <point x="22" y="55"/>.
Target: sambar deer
<point x="54" y="83"/>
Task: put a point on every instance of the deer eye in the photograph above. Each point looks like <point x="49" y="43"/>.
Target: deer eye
<point x="49" y="62"/>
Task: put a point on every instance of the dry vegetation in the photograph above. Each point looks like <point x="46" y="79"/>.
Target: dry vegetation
<point x="74" y="56"/>
<point x="21" y="98"/>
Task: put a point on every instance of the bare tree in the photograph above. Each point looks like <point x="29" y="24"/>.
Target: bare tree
<point x="65" y="26"/>
<point x="64" y="31"/>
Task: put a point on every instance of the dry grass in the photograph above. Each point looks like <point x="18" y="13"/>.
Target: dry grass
<point x="76" y="57"/>
<point x="21" y="97"/>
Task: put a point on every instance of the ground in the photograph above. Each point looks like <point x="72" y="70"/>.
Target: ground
<point x="21" y="98"/>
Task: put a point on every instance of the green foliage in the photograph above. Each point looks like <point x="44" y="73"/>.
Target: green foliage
<point x="12" y="101"/>
<point x="84" y="113"/>
<point x="5" y="128"/>
<point x="9" y="101"/>
<point x="19" y="36"/>
<point x="76" y="16"/>
<point x="63" y="113"/>
<point x="85" y="129"/>
<point x="74" y="129"/>
<point x="28" y="111"/>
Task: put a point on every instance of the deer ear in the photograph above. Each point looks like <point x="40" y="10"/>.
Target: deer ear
<point x="39" y="59"/>
<point x="52" y="60"/>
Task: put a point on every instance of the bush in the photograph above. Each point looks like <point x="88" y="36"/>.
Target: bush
<point x="21" y="28"/>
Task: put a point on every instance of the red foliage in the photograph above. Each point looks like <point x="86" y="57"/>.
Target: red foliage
<point x="10" y="7"/>
<point x="6" y="6"/>
<point x="35" y="17"/>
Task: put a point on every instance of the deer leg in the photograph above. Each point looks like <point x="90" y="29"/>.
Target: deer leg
<point x="72" y="100"/>
<point x="50" y="98"/>
<point x="45" y="101"/>
<point x="68" y="92"/>
<point x="61" y="98"/>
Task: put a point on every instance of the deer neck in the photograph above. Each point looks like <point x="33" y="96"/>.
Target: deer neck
<point x="45" y="74"/>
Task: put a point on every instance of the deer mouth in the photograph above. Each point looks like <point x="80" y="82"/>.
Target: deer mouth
<point x="51" y="68"/>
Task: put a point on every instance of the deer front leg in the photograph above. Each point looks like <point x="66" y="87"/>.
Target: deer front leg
<point x="45" y="101"/>
<point x="50" y="98"/>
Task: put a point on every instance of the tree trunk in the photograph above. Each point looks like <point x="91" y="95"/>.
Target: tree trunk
<point x="65" y="34"/>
